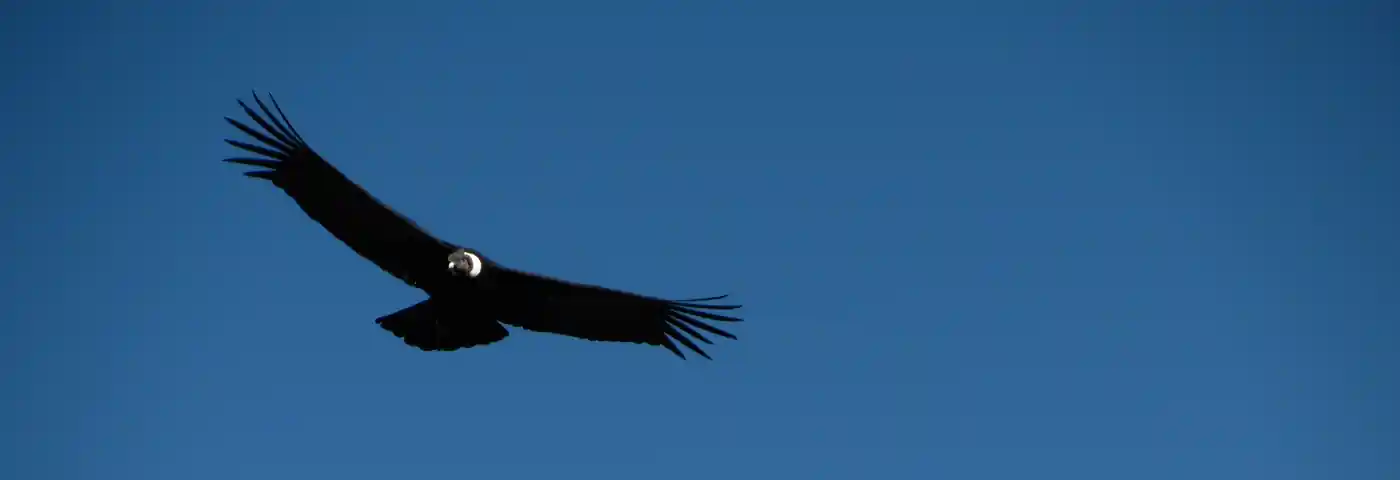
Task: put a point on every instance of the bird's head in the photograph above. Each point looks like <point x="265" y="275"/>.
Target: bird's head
<point x="462" y="262"/>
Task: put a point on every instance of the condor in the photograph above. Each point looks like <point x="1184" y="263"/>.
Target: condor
<point x="469" y="295"/>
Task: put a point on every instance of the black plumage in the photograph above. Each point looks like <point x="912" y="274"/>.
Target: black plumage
<point x="469" y="295"/>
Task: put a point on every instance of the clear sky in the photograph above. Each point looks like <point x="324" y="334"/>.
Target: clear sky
<point x="974" y="240"/>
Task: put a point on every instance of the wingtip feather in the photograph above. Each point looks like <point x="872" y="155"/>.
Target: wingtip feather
<point x="268" y="175"/>
<point x="254" y="162"/>
<point x="666" y="342"/>
<point x="672" y="333"/>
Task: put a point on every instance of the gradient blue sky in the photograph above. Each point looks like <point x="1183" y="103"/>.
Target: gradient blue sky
<point x="975" y="240"/>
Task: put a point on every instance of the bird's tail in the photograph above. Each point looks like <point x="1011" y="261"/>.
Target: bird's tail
<point x="429" y="325"/>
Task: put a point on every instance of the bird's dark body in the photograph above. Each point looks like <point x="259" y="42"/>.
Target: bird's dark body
<point x="465" y="306"/>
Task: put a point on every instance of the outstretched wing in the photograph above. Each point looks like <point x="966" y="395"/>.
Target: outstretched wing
<point x="544" y="304"/>
<point x="370" y="228"/>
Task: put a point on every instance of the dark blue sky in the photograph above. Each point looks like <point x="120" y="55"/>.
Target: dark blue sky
<point x="991" y="239"/>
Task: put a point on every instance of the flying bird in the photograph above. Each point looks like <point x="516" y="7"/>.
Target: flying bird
<point x="469" y="295"/>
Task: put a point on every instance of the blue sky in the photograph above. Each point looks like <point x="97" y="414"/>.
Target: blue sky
<point x="982" y="240"/>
